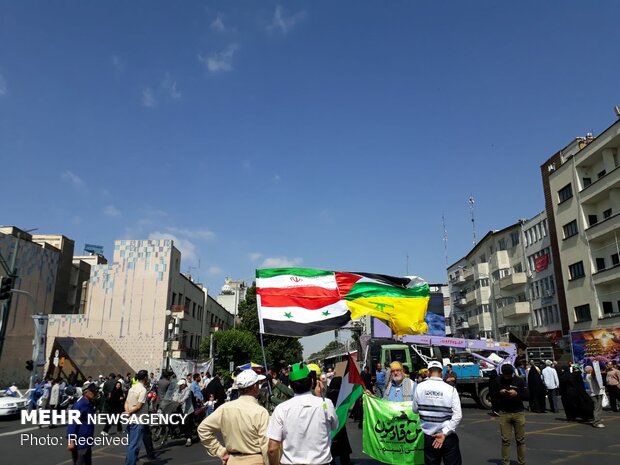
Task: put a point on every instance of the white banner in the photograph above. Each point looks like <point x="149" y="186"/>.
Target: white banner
<point x="40" y="339"/>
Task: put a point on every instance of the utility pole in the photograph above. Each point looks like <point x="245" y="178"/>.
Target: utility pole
<point x="472" y="203"/>
<point x="445" y="239"/>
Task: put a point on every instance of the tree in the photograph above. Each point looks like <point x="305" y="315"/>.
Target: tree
<point x="234" y="345"/>
<point x="276" y="347"/>
<point x="331" y="346"/>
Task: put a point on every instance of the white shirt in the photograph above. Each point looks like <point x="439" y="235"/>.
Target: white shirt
<point x="550" y="378"/>
<point x="438" y="405"/>
<point x="303" y="425"/>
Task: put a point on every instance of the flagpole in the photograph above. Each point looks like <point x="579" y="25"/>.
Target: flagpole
<point x="262" y="346"/>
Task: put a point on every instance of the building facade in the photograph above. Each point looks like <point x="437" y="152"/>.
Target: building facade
<point x="231" y="295"/>
<point x="489" y="288"/>
<point x="142" y="306"/>
<point x="545" y="316"/>
<point x="582" y="187"/>
<point x="37" y="269"/>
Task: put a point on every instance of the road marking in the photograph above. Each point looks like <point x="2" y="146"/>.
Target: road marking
<point x="546" y="430"/>
<point x="11" y="433"/>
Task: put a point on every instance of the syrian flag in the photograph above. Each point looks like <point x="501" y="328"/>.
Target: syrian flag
<point x="351" y="389"/>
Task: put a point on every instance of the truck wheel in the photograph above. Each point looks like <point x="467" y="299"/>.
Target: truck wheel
<point x="484" y="398"/>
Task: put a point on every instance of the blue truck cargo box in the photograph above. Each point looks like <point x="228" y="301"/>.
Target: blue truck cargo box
<point x="466" y="370"/>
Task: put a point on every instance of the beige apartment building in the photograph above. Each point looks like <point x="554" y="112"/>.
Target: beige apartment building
<point x="582" y="194"/>
<point x="489" y="288"/>
<point x="142" y="306"/>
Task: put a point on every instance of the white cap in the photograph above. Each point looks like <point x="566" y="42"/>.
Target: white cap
<point x="101" y="376"/>
<point x="548" y="363"/>
<point x="248" y="378"/>
<point x="435" y="364"/>
<point x="182" y="382"/>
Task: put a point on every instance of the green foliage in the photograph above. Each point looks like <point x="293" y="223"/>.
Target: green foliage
<point x="332" y="345"/>
<point x="234" y="345"/>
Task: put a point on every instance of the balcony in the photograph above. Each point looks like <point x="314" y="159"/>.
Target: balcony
<point x="470" y="298"/>
<point x="457" y="279"/>
<point x="484" y="322"/>
<point x="481" y="270"/>
<point x="516" y="310"/>
<point x="462" y="325"/>
<point x="179" y="311"/>
<point x="472" y="321"/>
<point x="468" y="274"/>
<point x="604" y="229"/>
<point x="513" y="280"/>
<point x="599" y="189"/>
<point x="607" y="276"/>
<point x="460" y="302"/>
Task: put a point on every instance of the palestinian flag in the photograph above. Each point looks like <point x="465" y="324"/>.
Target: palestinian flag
<point x="305" y="301"/>
<point x="351" y="389"/>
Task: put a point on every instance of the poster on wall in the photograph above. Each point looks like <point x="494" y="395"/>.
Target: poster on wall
<point x="602" y="345"/>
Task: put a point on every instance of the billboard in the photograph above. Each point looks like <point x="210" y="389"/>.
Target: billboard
<point x="600" y="345"/>
<point x="435" y="319"/>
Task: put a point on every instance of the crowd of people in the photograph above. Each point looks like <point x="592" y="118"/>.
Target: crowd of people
<point x="286" y="414"/>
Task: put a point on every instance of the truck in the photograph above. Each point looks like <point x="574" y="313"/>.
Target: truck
<point x="414" y="352"/>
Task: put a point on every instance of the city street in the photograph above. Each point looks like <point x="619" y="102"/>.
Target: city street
<point x="550" y="440"/>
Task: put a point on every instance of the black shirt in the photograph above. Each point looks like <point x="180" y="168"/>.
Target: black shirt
<point x="506" y="403"/>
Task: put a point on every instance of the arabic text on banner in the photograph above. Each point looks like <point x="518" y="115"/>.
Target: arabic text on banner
<point x="392" y="432"/>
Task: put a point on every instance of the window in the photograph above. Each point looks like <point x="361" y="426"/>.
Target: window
<point x="514" y="237"/>
<point x="565" y="193"/>
<point x="570" y="229"/>
<point x="600" y="174"/>
<point x="501" y="245"/>
<point x="576" y="271"/>
<point x="615" y="259"/>
<point x="544" y="227"/>
<point x="174" y="298"/>
<point x="607" y="213"/>
<point x="586" y="182"/>
<point x="600" y="264"/>
<point x="608" y="308"/>
<point x="483" y="259"/>
<point x="518" y="268"/>
<point x="582" y="313"/>
<point x="592" y="220"/>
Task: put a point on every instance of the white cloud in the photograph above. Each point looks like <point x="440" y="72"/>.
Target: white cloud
<point x="254" y="256"/>
<point x="186" y="247"/>
<point x="148" y="99"/>
<point x="3" y="86"/>
<point x="284" y="23"/>
<point x="214" y="270"/>
<point x="117" y="63"/>
<point x="217" y="25"/>
<point x="218" y="62"/>
<point x="169" y="87"/>
<point x="111" y="211"/>
<point x="281" y="262"/>
<point x="73" y="179"/>
<point x="204" y="234"/>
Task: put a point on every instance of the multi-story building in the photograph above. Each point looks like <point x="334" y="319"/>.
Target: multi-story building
<point x="37" y="269"/>
<point x="489" y="288"/>
<point x="231" y="295"/>
<point x="545" y="316"/>
<point x="582" y="198"/>
<point x="142" y="306"/>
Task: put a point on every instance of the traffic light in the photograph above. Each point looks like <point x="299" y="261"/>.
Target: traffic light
<point x="6" y="285"/>
<point x="29" y="365"/>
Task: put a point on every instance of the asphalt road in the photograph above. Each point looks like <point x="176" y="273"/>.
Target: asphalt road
<point x="550" y="440"/>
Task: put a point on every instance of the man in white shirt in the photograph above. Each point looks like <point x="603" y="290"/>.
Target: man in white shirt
<point x="136" y="405"/>
<point x="552" y="383"/>
<point x="302" y="425"/>
<point x="439" y="407"/>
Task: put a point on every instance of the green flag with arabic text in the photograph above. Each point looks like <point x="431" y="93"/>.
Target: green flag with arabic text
<point x="392" y="432"/>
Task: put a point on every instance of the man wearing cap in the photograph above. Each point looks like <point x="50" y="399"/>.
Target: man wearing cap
<point x="552" y="383"/>
<point x="78" y="434"/>
<point x="399" y="388"/>
<point x="242" y="422"/>
<point x="184" y="397"/>
<point x="439" y="407"/>
<point x="301" y="426"/>
<point x="136" y="405"/>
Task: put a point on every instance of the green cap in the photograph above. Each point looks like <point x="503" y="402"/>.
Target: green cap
<point x="299" y="371"/>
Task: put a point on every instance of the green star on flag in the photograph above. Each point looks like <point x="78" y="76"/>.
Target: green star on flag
<point x="288" y="315"/>
<point x="325" y="313"/>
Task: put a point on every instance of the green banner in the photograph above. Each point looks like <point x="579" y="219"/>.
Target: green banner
<point x="392" y="432"/>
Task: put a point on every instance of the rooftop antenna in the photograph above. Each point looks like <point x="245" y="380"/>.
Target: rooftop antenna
<point x="445" y="239"/>
<point x="407" y="259"/>
<point x="472" y="203"/>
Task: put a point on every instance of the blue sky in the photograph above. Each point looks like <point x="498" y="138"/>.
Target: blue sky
<point x="321" y="134"/>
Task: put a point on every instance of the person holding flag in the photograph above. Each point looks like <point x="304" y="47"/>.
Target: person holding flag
<point x="439" y="407"/>
<point x="301" y="426"/>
